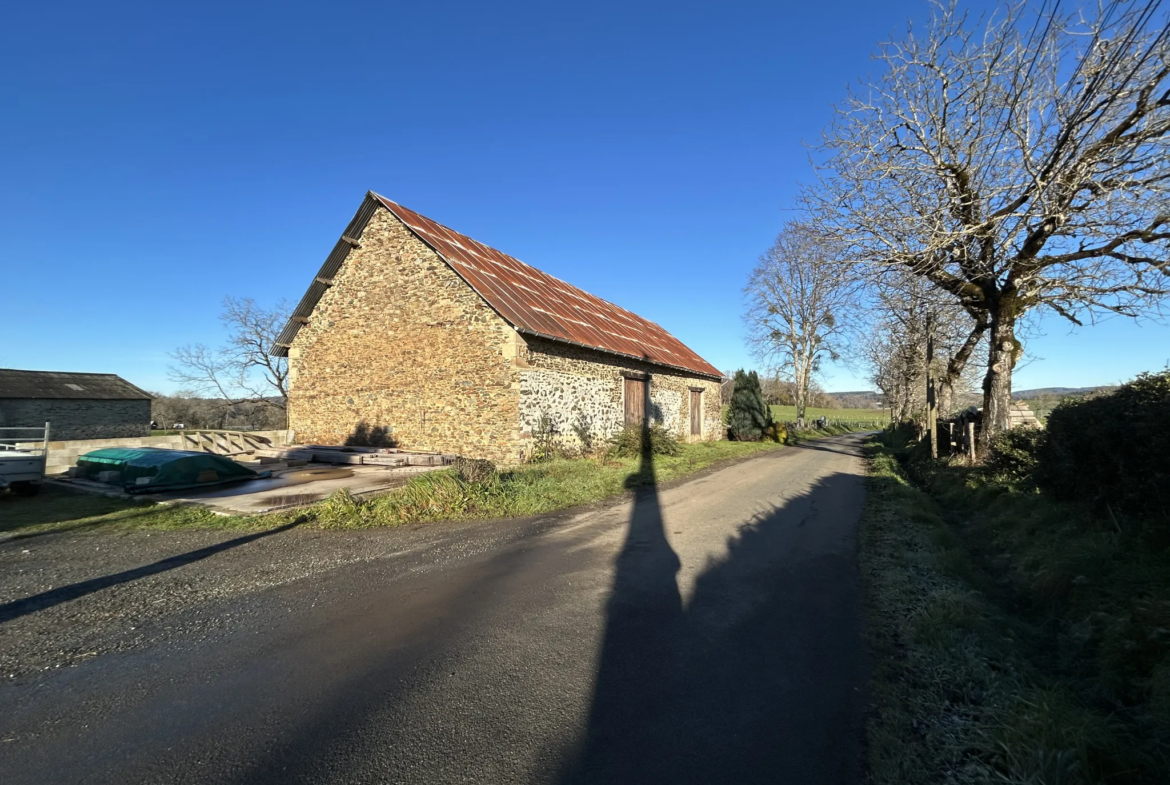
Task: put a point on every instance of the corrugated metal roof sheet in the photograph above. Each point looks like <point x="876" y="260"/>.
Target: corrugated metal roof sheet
<point x="63" y="384"/>
<point x="533" y="302"/>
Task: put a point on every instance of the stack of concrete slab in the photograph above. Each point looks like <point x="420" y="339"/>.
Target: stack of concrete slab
<point x="368" y="456"/>
<point x="285" y="453"/>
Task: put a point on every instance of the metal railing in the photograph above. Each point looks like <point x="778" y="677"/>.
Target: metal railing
<point x="39" y="433"/>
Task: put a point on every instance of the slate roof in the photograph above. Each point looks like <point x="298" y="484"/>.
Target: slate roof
<point x="533" y="302"/>
<point x="63" y="384"/>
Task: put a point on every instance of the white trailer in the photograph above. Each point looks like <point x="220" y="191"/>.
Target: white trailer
<point x="22" y="469"/>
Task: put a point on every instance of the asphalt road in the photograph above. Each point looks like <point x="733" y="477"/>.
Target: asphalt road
<point x="705" y="632"/>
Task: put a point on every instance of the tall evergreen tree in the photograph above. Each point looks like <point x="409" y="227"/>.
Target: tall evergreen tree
<point x="748" y="417"/>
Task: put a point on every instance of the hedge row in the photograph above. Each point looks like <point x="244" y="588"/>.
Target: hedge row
<point x="1112" y="452"/>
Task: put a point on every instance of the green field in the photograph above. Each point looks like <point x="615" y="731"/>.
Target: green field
<point x="788" y="414"/>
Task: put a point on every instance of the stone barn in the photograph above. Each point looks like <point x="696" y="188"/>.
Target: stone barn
<point x="77" y="405"/>
<point x="446" y="344"/>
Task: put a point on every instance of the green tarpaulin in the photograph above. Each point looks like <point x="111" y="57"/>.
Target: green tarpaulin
<point x="142" y="469"/>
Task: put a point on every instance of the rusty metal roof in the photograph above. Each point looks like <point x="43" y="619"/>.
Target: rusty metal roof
<point x="536" y="303"/>
<point x="533" y="302"/>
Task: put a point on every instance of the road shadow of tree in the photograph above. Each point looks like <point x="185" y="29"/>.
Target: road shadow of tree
<point x="852" y="450"/>
<point x="759" y="678"/>
<point x="47" y="599"/>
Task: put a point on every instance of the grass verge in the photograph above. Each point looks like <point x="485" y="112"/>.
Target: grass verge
<point x="1015" y="640"/>
<point x="535" y="488"/>
<point x="526" y="490"/>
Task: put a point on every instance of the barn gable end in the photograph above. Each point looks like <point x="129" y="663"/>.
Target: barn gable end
<point x="399" y="341"/>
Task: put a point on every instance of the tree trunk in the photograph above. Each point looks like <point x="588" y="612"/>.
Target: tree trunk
<point x="955" y="367"/>
<point x="946" y="397"/>
<point x="899" y="405"/>
<point x="801" y="378"/>
<point x="1001" y="359"/>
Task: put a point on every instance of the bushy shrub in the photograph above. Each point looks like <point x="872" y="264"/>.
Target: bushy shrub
<point x="583" y="430"/>
<point x="1113" y="451"/>
<point x="777" y="432"/>
<point x="1013" y="455"/>
<point x="632" y="441"/>
<point x="748" y="416"/>
<point x="546" y="442"/>
<point x="474" y="471"/>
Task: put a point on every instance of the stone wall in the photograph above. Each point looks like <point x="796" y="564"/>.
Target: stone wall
<point x="400" y="342"/>
<point x="70" y="418"/>
<point x="667" y="407"/>
<point x="573" y="403"/>
<point x="566" y="383"/>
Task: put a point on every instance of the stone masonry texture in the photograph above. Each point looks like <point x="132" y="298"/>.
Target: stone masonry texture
<point x="571" y="385"/>
<point x="400" y="342"/>
<point x="71" y="418"/>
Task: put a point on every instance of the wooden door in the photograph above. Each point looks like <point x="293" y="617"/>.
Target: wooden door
<point x="696" y="412"/>
<point x="635" y="401"/>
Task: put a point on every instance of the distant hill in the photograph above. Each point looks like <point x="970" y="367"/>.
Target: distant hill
<point x="1040" y="392"/>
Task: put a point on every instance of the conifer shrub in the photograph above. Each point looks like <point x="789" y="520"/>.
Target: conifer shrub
<point x="748" y="416"/>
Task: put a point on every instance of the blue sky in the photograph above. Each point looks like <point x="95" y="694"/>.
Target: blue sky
<point x="158" y="156"/>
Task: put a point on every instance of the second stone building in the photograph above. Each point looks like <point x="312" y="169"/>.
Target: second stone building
<point x="413" y="330"/>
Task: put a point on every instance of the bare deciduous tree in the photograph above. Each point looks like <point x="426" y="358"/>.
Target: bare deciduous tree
<point x="726" y="387"/>
<point x="897" y="366"/>
<point x="782" y="392"/>
<point x="242" y="370"/>
<point x="800" y="297"/>
<point x="194" y="411"/>
<point x="1016" y="162"/>
<point x="903" y="310"/>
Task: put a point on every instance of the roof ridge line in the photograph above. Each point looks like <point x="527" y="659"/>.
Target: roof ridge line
<point x="74" y="373"/>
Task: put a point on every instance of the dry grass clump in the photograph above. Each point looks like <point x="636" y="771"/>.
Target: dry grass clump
<point x="632" y="442"/>
<point x="475" y="471"/>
